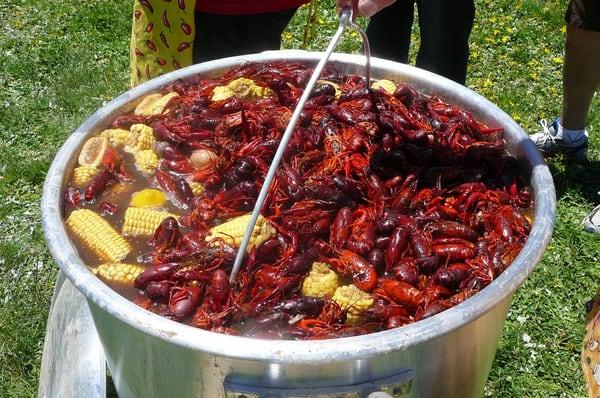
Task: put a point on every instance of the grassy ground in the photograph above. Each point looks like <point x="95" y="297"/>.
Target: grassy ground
<point x="59" y="61"/>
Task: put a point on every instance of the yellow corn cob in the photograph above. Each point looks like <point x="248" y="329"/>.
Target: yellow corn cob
<point x="387" y="85"/>
<point x="115" y="137"/>
<point x="146" y="160"/>
<point x="140" y="137"/>
<point x="148" y="198"/>
<point x="143" y="221"/>
<point x="98" y="235"/>
<point x="121" y="273"/>
<point x="82" y="175"/>
<point x="221" y="93"/>
<point x="232" y="231"/>
<point x="145" y="103"/>
<point x="197" y="188"/>
<point x="159" y="106"/>
<point x="354" y="301"/>
<point x="321" y="281"/>
<point x="243" y="88"/>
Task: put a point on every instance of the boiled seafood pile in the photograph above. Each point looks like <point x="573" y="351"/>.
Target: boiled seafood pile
<point x="389" y="207"/>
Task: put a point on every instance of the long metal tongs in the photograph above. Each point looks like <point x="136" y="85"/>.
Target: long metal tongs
<point x="345" y="21"/>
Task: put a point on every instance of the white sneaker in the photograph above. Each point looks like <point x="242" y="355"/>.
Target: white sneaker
<point x="547" y="142"/>
<point x="591" y="222"/>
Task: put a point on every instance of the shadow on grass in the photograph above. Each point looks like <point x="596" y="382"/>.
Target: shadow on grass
<point x="582" y="177"/>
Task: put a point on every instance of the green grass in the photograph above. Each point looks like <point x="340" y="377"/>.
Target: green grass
<point x="59" y="61"/>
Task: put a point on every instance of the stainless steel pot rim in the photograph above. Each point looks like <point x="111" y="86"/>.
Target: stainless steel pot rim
<point x="285" y="351"/>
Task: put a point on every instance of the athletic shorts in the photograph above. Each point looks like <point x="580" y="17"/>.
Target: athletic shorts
<point x="584" y="14"/>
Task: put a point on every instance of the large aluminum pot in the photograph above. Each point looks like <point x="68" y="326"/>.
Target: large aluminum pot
<point x="447" y="355"/>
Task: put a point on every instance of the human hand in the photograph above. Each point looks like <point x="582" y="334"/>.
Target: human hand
<point x="365" y="8"/>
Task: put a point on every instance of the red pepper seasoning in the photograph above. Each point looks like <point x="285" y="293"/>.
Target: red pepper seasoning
<point x="149" y="27"/>
<point x="138" y="52"/>
<point x="181" y="4"/>
<point x="137" y="14"/>
<point x="161" y="61"/>
<point x="176" y="64"/>
<point x="148" y="71"/>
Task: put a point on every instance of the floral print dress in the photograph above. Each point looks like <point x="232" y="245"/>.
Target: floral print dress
<point x="162" y="36"/>
<point x="590" y="354"/>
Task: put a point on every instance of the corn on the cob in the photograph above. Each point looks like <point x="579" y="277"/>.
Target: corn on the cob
<point x="98" y="235"/>
<point x="140" y="137"/>
<point x="354" y="301"/>
<point x="146" y="160"/>
<point x="232" y="231"/>
<point x="387" y="85"/>
<point x="92" y="152"/>
<point x="321" y="281"/>
<point x="145" y="103"/>
<point x="115" y="137"/>
<point x="121" y="273"/>
<point x="148" y="198"/>
<point x="143" y="221"/>
<point x="221" y="93"/>
<point x="243" y="88"/>
<point x="197" y="188"/>
<point x="159" y="106"/>
<point x="82" y="175"/>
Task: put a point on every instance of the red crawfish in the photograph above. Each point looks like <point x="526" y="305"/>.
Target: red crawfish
<point x="454" y="249"/>
<point x="218" y="292"/>
<point x="183" y="301"/>
<point x="452" y="275"/>
<point x="362" y="236"/>
<point x="446" y="229"/>
<point x="396" y="247"/>
<point x="432" y="309"/>
<point x="176" y="187"/>
<point x="382" y="311"/>
<point x="157" y="273"/>
<point x="340" y="228"/>
<point x="401" y="292"/>
<point x="406" y="271"/>
<point x="363" y="273"/>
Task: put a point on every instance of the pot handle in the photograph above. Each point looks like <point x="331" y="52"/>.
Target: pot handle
<point x="73" y="362"/>
<point x="396" y="386"/>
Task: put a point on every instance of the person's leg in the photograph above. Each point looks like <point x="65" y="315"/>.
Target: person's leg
<point x="581" y="76"/>
<point x="389" y="31"/>
<point x="445" y="30"/>
<point x="219" y="36"/>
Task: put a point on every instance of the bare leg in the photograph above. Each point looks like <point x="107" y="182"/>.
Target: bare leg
<point x="581" y="76"/>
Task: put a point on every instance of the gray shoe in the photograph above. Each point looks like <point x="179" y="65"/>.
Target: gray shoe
<point x="549" y="144"/>
<point x="591" y="222"/>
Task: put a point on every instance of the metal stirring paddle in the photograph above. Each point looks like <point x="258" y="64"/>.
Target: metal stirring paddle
<point x="345" y="20"/>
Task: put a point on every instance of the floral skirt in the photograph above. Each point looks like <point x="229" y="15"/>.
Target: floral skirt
<point x="162" y="37"/>
<point x="590" y="353"/>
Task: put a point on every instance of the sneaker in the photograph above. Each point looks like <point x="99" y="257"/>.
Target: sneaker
<point x="591" y="222"/>
<point x="547" y="142"/>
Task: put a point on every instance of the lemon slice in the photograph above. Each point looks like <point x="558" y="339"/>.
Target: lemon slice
<point x="338" y="90"/>
<point x="148" y="198"/>
<point x="384" y="84"/>
<point x="92" y="152"/>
